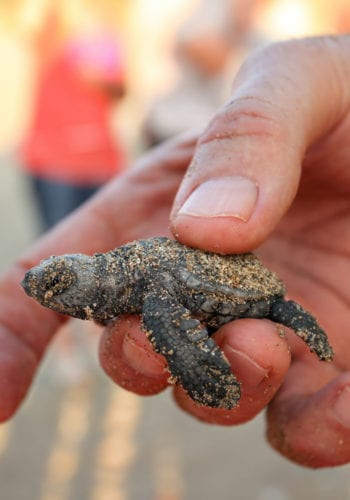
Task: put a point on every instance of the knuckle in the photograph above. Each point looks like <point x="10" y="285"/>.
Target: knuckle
<point x="248" y="116"/>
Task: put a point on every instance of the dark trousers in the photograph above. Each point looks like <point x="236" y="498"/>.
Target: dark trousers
<point x="56" y="200"/>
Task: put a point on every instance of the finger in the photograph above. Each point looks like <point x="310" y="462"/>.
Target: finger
<point x="129" y="360"/>
<point x="309" y="420"/>
<point x="246" y="168"/>
<point x="259" y="358"/>
<point x="258" y="355"/>
<point x="26" y="328"/>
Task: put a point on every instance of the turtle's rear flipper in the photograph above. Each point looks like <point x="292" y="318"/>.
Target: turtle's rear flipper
<point x="292" y="315"/>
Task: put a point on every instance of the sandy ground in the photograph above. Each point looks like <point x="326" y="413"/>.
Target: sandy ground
<point x="77" y="437"/>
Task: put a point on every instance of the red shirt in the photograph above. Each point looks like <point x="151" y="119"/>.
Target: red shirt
<point x="70" y="136"/>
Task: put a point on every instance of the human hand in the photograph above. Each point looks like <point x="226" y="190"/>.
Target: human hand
<point x="282" y="107"/>
<point x="271" y="171"/>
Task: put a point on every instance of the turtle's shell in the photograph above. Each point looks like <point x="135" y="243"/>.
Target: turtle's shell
<point x="240" y="277"/>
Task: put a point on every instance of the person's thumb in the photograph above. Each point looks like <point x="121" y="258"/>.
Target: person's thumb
<point x="246" y="168"/>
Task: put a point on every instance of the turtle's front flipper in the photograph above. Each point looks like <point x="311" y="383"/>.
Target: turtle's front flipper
<point x="292" y="315"/>
<point x="194" y="360"/>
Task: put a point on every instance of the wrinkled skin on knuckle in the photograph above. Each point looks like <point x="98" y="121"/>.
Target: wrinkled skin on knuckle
<point x="252" y="134"/>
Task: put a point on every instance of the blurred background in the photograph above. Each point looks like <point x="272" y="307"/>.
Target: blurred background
<point x="85" y="87"/>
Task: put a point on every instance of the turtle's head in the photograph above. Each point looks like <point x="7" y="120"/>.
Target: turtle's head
<point x="51" y="277"/>
<point x="60" y="283"/>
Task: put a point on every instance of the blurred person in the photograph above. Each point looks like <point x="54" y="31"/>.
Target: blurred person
<point x="208" y="46"/>
<point x="70" y="149"/>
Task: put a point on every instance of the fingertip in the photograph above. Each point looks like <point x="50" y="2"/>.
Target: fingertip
<point x="128" y="359"/>
<point x="234" y="214"/>
<point x="215" y="416"/>
<point x="216" y="234"/>
<point x="138" y="352"/>
<point x="313" y="430"/>
<point x="215" y="213"/>
<point x="256" y="350"/>
<point x="18" y="364"/>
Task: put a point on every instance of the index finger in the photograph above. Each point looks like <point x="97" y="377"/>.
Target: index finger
<point x="26" y="328"/>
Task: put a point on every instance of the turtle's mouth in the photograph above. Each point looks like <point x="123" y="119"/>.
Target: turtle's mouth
<point x="50" y="278"/>
<point x="30" y="284"/>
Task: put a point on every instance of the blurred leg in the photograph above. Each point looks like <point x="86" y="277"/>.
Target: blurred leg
<point x="57" y="199"/>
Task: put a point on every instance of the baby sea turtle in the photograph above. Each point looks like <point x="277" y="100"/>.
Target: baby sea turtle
<point x="183" y="295"/>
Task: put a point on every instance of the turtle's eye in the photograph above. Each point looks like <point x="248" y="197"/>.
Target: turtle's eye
<point x="56" y="281"/>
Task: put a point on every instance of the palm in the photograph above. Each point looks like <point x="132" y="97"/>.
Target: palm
<point x="310" y="251"/>
<point x="310" y="247"/>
